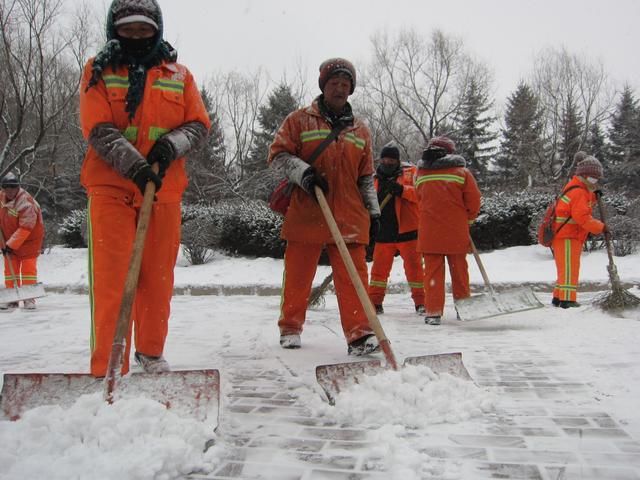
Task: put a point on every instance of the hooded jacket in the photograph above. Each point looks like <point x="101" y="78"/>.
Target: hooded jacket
<point x="448" y="202"/>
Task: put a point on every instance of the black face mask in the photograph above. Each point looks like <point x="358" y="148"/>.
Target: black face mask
<point x="137" y="48"/>
<point x="388" y="170"/>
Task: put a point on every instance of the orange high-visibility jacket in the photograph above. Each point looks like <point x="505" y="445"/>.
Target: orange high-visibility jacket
<point x="577" y="204"/>
<point x="22" y="225"/>
<point x="171" y="99"/>
<point x="448" y="200"/>
<point x="342" y="163"/>
<point x="406" y="206"/>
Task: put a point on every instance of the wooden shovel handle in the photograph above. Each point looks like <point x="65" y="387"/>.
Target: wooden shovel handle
<point x="363" y="296"/>
<point x="483" y="272"/>
<point x="130" y="285"/>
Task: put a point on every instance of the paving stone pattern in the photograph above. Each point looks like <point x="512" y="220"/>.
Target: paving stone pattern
<point x="547" y="424"/>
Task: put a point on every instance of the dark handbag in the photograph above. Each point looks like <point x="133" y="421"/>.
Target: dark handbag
<point x="280" y="198"/>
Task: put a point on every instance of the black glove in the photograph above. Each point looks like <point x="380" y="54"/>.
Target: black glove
<point x="163" y="153"/>
<point x="598" y="193"/>
<point x="144" y="175"/>
<point x="374" y="228"/>
<point x="312" y="178"/>
<point x="395" y="188"/>
<point x="6" y="250"/>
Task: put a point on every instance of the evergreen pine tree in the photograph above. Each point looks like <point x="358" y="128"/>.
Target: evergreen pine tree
<point x="623" y="134"/>
<point x="205" y="166"/>
<point x="596" y="145"/>
<point x="571" y="129"/>
<point x="473" y="135"/>
<point x="259" y="178"/>
<point x="522" y="136"/>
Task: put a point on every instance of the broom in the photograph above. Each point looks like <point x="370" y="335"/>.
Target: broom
<point x="618" y="298"/>
<point x="316" y="297"/>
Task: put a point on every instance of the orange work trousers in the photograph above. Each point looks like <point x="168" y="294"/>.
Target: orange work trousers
<point x="566" y="253"/>
<point x="111" y="226"/>
<point x="383" y="255"/>
<point x="300" y="265"/>
<point x="25" y="270"/>
<point x="434" y="275"/>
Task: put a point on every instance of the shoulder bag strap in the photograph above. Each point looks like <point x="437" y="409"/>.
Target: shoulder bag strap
<point x="325" y="143"/>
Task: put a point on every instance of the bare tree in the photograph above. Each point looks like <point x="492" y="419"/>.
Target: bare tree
<point x="568" y="86"/>
<point x="40" y="77"/>
<point x="236" y="99"/>
<point x="415" y="85"/>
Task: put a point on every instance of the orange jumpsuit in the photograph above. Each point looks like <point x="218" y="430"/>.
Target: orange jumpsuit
<point x="171" y="100"/>
<point x="569" y="240"/>
<point x="406" y="213"/>
<point x="344" y="163"/>
<point x="448" y="200"/>
<point x="23" y="232"/>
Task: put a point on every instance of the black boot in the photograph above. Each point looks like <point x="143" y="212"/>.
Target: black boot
<point x="568" y="304"/>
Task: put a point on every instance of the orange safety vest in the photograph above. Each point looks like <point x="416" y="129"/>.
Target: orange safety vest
<point x="406" y="206"/>
<point x="577" y="204"/>
<point x="171" y="99"/>
<point x="345" y="160"/>
<point x="448" y="201"/>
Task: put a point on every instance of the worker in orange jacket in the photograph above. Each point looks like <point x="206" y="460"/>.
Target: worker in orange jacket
<point x="449" y="201"/>
<point x="23" y="233"/>
<point x="398" y="229"/>
<point x="574" y="222"/>
<point x="138" y="107"/>
<point x="344" y="171"/>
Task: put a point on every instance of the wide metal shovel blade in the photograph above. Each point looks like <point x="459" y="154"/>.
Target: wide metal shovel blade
<point x="337" y="377"/>
<point x="450" y="363"/>
<point x="189" y="393"/>
<point x="488" y="305"/>
<point x="25" y="292"/>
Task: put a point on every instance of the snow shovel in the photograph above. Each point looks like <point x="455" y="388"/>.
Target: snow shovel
<point x="24" y="292"/>
<point x="193" y="393"/>
<point x="336" y="377"/>
<point x="491" y="303"/>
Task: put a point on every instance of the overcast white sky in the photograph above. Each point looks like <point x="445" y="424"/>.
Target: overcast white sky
<point x="223" y="35"/>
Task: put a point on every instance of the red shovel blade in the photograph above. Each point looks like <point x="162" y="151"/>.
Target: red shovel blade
<point x="189" y="393"/>
<point x="450" y="363"/>
<point x="335" y="378"/>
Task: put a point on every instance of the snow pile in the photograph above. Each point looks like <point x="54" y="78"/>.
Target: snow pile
<point x="133" y="439"/>
<point x="403" y="459"/>
<point x="413" y="396"/>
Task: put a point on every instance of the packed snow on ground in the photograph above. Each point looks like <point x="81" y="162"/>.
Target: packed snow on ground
<point x="139" y="438"/>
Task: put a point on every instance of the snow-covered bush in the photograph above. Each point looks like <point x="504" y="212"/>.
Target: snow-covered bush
<point x="200" y="233"/>
<point x="249" y="228"/>
<point x="73" y="228"/>
<point x="626" y="229"/>
<point x="505" y="219"/>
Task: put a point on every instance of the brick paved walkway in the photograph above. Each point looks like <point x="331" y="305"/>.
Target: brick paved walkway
<point x="548" y="423"/>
